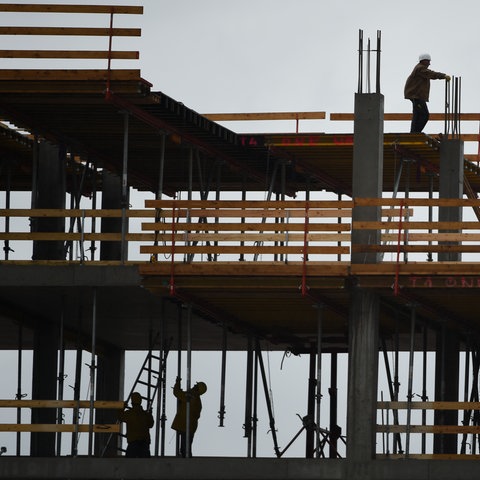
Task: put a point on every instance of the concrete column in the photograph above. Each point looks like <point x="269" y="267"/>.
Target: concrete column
<point x="451" y="186"/>
<point x="367" y="181"/>
<point x="50" y="193"/>
<point x="362" y="375"/>
<point x="364" y="304"/>
<point x="44" y="387"/>
<point x="447" y="358"/>
<point x="111" y="198"/>
<point x="109" y="386"/>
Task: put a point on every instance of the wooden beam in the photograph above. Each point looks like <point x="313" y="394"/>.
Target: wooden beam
<point x="60" y="404"/>
<point x="247" y="227"/>
<point x="406" y="116"/>
<point x="55" y="427"/>
<point x="67" y="54"/>
<point x="260" y="249"/>
<point x="75" y="75"/>
<point x="243" y="204"/>
<point x="453" y="429"/>
<point x="219" y="117"/>
<point x="68" y="31"/>
<point x="74" y="213"/>
<point x="48" y="8"/>
<point x="429" y="405"/>
<point x="427" y="456"/>
<point x="411" y="225"/>
<point x="416" y="248"/>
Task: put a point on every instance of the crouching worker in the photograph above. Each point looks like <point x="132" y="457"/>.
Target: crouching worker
<point x="139" y="422"/>
<point x="191" y="400"/>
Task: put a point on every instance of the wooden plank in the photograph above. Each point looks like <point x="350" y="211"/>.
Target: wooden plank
<point x="416" y="202"/>
<point x="250" y="237"/>
<point x="53" y="427"/>
<point x="416" y="248"/>
<point x="75" y="236"/>
<point x="405" y="116"/>
<point x="260" y="249"/>
<point x="429" y="405"/>
<point x="60" y="404"/>
<point x="247" y="226"/>
<point x="430" y="237"/>
<point x="428" y="456"/>
<point x="76" y="75"/>
<point x="219" y="117"/>
<point x="48" y="8"/>
<point x="453" y="429"/>
<point x="75" y="213"/>
<point x="247" y="269"/>
<point x="412" y="225"/>
<point x="260" y="213"/>
<point x="242" y="204"/>
<point x="72" y="31"/>
<point x="67" y="54"/>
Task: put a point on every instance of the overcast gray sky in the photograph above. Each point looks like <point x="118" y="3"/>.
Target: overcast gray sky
<point x="285" y="55"/>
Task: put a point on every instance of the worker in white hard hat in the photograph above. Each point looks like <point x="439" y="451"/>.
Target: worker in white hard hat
<point x="417" y="89"/>
<point x="190" y="398"/>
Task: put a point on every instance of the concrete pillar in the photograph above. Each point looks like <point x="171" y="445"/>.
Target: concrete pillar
<point x="111" y="199"/>
<point x="447" y="358"/>
<point x="451" y="186"/>
<point x="44" y="387"/>
<point x="364" y="304"/>
<point x="447" y="349"/>
<point x="362" y="375"/>
<point x="50" y="193"/>
<point x="109" y="386"/>
<point x="367" y="181"/>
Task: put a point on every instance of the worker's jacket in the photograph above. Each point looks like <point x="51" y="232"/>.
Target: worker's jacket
<point x="138" y="423"/>
<point x="417" y="85"/>
<point x="180" y="421"/>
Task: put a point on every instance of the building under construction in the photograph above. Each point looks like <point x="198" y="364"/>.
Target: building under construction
<point x="316" y="244"/>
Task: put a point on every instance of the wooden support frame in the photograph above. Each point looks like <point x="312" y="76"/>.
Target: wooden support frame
<point x="60" y="427"/>
<point x="108" y="31"/>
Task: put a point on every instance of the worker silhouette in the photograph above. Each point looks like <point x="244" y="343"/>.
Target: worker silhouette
<point x="139" y="422"/>
<point x="190" y="398"/>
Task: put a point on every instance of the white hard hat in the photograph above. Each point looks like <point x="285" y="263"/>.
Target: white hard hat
<point x="424" y="56"/>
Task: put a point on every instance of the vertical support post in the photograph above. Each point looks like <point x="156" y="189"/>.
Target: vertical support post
<point x="256" y="359"/>
<point x="221" y="411"/>
<point x="188" y="433"/>
<point x="333" y="392"/>
<point x="125" y="199"/>
<point x="179" y="361"/>
<point x="92" y="372"/>
<point x="248" y="397"/>
<point x="19" y="395"/>
<point x="318" y="390"/>
<point x="410" y="378"/>
<point x="61" y="375"/>
<point x="311" y="431"/>
<point x="161" y="385"/>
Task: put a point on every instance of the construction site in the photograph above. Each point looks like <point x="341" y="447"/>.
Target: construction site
<point x="360" y="246"/>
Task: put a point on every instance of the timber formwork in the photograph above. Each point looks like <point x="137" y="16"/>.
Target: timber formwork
<point x="261" y="238"/>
